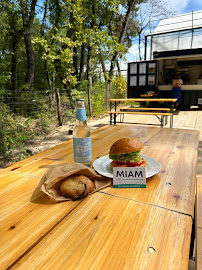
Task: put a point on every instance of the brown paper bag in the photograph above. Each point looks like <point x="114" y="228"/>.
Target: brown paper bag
<point x="50" y="182"/>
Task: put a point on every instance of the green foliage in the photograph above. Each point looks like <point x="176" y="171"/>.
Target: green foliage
<point x="44" y="123"/>
<point x="15" y="130"/>
<point x="98" y="98"/>
<point x="119" y="87"/>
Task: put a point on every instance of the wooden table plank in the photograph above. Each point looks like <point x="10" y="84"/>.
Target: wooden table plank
<point x="106" y="232"/>
<point x="26" y="215"/>
<point x="176" y="150"/>
<point x="61" y="151"/>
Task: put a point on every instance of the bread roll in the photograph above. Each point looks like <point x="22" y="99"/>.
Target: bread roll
<point x="125" y="145"/>
<point x="76" y="187"/>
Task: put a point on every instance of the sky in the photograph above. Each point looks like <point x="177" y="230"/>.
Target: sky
<point x="179" y="7"/>
<point x="186" y="6"/>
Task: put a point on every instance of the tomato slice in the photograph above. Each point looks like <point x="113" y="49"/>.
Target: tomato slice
<point x="133" y="164"/>
<point x="129" y="164"/>
<point x="120" y="162"/>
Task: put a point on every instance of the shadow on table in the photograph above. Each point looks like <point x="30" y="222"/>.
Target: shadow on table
<point x="145" y="124"/>
<point x="100" y="125"/>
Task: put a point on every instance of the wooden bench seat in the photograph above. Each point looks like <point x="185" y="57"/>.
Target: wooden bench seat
<point x="199" y="223"/>
<point x="148" y="113"/>
<point x="145" y="109"/>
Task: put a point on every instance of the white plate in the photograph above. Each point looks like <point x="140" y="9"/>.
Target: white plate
<point x="103" y="167"/>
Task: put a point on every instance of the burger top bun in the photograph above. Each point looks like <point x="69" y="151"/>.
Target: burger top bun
<point x="125" y="145"/>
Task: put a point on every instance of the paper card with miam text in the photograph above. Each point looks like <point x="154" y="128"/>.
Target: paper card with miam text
<point x="129" y="177"/>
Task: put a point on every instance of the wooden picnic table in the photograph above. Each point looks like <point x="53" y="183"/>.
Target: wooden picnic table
<point x="147" y="95"/>
<point x="124" y="228"/>
<point x="160" y="113"/>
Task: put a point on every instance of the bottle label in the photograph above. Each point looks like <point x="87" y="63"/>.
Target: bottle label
<point x="81" y="114"/>
<point x="82" y="150"/>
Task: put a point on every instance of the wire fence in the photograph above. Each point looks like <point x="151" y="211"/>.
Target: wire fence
<point x="32" y="104"/>
<point x="25" y="115"/>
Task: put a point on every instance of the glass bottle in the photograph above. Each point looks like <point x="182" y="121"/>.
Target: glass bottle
<point x="82" y="136"/>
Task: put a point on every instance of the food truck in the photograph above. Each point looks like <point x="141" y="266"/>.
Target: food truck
<point x="175" y="48"/>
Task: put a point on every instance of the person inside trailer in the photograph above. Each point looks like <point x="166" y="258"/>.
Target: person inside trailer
<point x="176" y="90"/>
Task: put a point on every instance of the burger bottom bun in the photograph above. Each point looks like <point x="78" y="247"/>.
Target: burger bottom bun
<point x="76" y="187"/>
<point x="113" y="164"/>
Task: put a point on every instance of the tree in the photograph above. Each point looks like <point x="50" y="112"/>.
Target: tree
<point x="43" y="23"/>
<point x="130" y="8"/>
<point x="28" y="14"/>
<point x="10" y="42"/>
<point x="150" y="12"/>
<point x="72" y="39"/>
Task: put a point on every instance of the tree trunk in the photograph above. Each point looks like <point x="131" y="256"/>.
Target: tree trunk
<point x="103" y="65"/>
<point x="57" y="95"/>
<point x="30" y="61"/>
<point x="45" y="60"/>
<point x="82" y="62"/>
<point x="48" y="75"/>
<point x="139" y="46"/>
<point x="44" y="18"/>
<point x="115" y="56"/>
<point x="16" y="38"/>
<point x="14" y="68"/>
<point x="75" y="62"/>
<point x="51" y="87"/>
<point x="28" y="14"/>
<point x="90" y="81"/>
<point x="83" y="53"/>
<point x="118" y="67"/>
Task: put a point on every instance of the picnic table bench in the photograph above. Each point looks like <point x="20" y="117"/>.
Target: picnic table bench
<point x="160" y="113"/>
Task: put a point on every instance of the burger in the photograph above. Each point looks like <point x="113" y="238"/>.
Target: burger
<point x="126" y="153"/>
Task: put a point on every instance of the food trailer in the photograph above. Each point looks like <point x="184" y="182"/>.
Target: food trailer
<point x="175" y="48"/>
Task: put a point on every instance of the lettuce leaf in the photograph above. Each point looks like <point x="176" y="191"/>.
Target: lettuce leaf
<point x="128" y="157"/>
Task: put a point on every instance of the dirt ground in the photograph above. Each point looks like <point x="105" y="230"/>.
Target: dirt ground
<point x="58" y="136"/>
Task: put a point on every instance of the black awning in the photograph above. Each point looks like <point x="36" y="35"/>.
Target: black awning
<point x="176" y="53"/>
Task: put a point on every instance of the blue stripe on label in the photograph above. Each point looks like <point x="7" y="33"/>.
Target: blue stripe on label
<point x="81" y="114"/>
